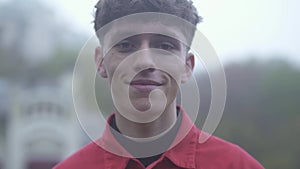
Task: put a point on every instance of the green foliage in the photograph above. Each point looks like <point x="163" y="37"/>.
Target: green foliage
<point x="262" y="112"/>
<point x="35" y="44"/>
<point x="62" y="61"/>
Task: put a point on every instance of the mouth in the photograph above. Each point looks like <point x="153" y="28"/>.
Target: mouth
<point x="145" y="84"/>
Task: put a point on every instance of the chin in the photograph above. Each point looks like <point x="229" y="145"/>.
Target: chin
<point x="142" y="106"/>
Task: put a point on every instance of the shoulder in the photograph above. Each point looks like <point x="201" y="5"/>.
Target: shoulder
<point x="90" y="156"/>
<point x="218" y="153"/>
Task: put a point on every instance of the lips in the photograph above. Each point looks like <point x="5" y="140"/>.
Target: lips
<point x="145" y="84"/>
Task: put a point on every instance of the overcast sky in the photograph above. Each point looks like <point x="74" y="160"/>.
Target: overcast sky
<point x="237" y="29"/>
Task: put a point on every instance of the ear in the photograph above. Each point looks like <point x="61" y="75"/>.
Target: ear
<point x="189" y="67"/>
<point x="99" y="62"/>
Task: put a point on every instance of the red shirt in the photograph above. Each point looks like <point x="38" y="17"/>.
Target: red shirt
<point x="215" y="153"/>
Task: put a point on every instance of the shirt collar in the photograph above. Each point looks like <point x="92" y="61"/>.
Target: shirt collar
<point x="113" y="150"/>
<point x="181" y="152"/>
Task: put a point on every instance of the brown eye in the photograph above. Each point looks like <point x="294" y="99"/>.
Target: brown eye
<point x="166" y="46"/>
<point x="125" y="46"/>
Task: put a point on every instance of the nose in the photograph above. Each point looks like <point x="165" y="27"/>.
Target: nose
<point x="145" y="60"/>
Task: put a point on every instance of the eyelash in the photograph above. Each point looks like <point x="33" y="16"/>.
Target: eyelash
<point x="169" y="46"/>
<point x="128" y="46"/>
<point x="121" y="48"/>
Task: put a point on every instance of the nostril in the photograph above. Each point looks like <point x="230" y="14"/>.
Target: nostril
<point x="146" y="71"/>
<point x="151" y="69"/>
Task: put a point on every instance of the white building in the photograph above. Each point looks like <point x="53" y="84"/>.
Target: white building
<point x="41" y="128"/>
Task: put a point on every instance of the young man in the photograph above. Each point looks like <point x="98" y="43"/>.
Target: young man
<point x="145" y="56"/>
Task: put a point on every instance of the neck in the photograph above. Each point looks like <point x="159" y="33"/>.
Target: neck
<point x="147" y="130"/>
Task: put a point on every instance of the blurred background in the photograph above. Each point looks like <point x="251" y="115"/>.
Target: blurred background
<point x="257" y="42"/>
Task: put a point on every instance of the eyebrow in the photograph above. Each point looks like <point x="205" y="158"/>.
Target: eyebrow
<point x="118" y="36"/>
<point x="166" y="36"/>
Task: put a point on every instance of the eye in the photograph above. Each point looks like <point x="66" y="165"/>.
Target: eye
<point x="125" y="46"/>
<point x="166" y="46"/>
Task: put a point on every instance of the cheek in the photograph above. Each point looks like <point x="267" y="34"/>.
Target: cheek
<point x="111" y="63"/>
<point x="176" y="72"/>
<point x="172" y="90"/>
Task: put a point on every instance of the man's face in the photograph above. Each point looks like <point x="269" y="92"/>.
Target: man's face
<point x="137" y="62"/>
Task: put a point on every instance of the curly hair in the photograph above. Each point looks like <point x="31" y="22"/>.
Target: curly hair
<point x="109" y="10"/>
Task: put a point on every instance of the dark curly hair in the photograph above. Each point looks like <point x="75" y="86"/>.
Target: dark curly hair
<point x="109" y="10"/>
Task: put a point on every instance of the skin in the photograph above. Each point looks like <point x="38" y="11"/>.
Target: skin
<point x="148" y="77"/>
